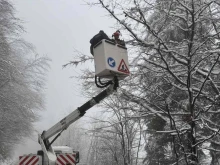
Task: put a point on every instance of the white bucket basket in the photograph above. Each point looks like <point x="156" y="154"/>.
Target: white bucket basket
<point x="110" y="60"/>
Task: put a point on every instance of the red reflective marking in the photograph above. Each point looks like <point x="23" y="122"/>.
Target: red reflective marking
<point x="35" y="162"/>
<point x="60" y="161"/>
<point x="21" y="163"/>
<point x="30" y="160"/>
<point x="64" y="158"/>
<point x="71" y="158"/>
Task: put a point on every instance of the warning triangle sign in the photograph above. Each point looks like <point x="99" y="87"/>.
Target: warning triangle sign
<point x="123" y="67"/>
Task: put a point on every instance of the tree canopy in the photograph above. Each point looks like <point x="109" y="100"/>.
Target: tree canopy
<point x="173" y="89"/>
<point x="22" y="78"/>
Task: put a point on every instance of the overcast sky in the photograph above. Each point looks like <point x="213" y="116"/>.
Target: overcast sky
<point x="56" y="28"/>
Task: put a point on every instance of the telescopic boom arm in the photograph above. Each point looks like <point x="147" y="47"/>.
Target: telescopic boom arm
<point x="71" y="118"/>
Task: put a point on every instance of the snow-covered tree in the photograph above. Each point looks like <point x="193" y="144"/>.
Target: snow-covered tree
<point x="22" y="77"/>
<point x="116" y="136"/>
<point x="179" y="52"/>
<point x="174" y="85"/>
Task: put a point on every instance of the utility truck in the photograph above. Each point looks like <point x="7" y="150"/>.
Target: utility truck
<point x="111" y="63"/>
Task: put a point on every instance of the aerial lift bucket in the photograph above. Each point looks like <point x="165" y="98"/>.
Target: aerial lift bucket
<point x="111" y="60"/>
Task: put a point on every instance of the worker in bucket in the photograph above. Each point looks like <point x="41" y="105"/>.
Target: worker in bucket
<point x="116" y="38"/>
<point x="98" y="37"/>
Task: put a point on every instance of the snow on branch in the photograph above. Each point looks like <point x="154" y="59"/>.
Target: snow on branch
<point x="80" y="58"/>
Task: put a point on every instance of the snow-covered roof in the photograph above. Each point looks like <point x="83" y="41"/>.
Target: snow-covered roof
<point x="63" y="149"/>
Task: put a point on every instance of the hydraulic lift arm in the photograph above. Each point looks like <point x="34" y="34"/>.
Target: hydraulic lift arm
<point x="68" y="120"/>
